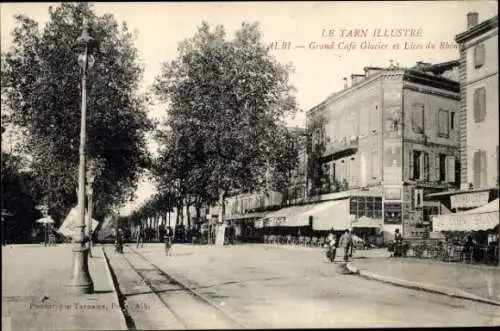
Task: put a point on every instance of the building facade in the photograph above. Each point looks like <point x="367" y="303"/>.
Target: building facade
<point x="387" y="140"/>
<point x="479" y="103"/>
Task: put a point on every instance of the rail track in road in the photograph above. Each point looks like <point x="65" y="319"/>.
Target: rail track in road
<point x="192" y="309"/>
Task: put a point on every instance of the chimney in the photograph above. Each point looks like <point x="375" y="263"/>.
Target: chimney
<point x="472" y="19"/>
<point x="345" y="82"/>
<point x="356" y="78"/>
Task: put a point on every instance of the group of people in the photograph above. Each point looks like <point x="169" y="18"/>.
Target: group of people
<point x="345" y="242"/>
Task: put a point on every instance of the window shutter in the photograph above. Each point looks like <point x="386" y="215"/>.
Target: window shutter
<point x="437" y="169"/>
<point x="450" y="169"/>
<point x="482" y="104"/>
<point x="479" y="55"/>
<point x="410" y="165"/>
<point x="477" y="169"/>
<point x="425" y="166"/>
<point x="476" y="105"/>
<point x="484" y="173"/>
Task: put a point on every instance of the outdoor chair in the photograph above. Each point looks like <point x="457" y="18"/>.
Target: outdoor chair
<point x="307" y="241"/>
<point x="314" y="241"/>
<point x="301" y="240"/>
<point x="295" y="240"/>
<point x="289" y="239"/>
<point x="321" y="242"/>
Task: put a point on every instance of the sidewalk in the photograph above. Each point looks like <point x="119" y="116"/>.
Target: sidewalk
<point x="470" y="281"/>
<point x="35" y="297"/>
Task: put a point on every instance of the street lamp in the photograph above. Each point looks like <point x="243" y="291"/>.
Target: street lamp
<point x="81" y="282"/>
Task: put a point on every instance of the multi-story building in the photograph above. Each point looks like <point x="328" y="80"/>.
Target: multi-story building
<point x="478" y="113"/>
<point x="386" y="141"/>
<point x="479" y="103"/>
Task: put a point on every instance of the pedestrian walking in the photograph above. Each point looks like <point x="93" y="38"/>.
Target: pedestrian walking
<point x="168" y="238"/>
<point x="345" y="242"/>
<point x="119" y="241"/>
<point x="398" y="241"/>
<point x="140" y="234"/>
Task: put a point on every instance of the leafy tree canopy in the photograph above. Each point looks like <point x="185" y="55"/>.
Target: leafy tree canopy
<point x="227" y="101"/>
<point x="41" y="88"/>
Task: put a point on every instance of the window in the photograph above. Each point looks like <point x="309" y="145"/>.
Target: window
<point x="443" y="123"/>
<point x="419" y="165"/>
<point x="452" y="120"/>
<point x="479" y="169"/>
<point x="479" y="105"/>
<point x="417" y="155"/>
<point x="333" y="172"/>
<point x="375" y="164"/>
<point x="479" y="56"/>
<point x="392" y="213"/>
<point x="375" y="119"/>
<point x="417" y="119"/>
<point x="377" y="207"/>
<point x="450" y="169"/>
<point x="442" y="167"/>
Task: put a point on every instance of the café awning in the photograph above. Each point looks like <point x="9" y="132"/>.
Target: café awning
<point x="289" y="217"/>
<point x="482" y="218"/>
<point x="246" y="216"/>
<point x="331" y="214"/>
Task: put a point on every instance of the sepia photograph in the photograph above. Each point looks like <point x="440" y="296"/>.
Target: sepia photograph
<point x="249" y="165"/>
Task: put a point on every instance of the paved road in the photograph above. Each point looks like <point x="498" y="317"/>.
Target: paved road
<point x="270" y="287"/>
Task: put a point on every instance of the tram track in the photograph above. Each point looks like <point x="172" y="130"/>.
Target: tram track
<point x="189" y="307"/>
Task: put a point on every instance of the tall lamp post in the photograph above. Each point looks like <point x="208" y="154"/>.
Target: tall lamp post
<point x="81" y="282"/>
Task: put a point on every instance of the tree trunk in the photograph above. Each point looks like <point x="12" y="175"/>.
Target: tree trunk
<point x="220" y="228"/>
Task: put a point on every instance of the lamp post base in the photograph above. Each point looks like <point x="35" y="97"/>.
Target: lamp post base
<point x="81" y="282"/>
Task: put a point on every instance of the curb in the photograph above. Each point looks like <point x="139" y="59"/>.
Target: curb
<point x="451" y="292"/>
<point x="114" y="284"/>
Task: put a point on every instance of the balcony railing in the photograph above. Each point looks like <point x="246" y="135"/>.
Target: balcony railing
<point x="344" y="145"/>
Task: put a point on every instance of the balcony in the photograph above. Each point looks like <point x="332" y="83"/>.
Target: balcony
<point x="342" y="148"/>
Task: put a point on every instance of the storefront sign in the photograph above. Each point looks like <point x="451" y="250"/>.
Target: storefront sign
<point x="465" y="222"/>
<point x="469" y="200"/>
<point x="392" y="193"/>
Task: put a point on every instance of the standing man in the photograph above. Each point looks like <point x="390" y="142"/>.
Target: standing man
<point x="346" y="243"/>
<point x="140" y="235"/>
<point x="398" y="241"/>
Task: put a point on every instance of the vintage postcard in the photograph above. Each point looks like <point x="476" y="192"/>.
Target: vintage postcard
<point x="260" y="165"/>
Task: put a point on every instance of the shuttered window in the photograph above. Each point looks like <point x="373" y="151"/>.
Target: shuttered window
<point x="479" y="168"/>
<point x="425" y="166"/>
<point x="479" y="105"/>
<point x="450" y="169"/>
<point x="417" y="118"/>
<point x="443" y="123"/>
<point x="375" y="164"/>
<point x="479" y="56"/>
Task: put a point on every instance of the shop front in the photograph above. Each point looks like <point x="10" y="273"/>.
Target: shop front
<point x="478" y="228"/>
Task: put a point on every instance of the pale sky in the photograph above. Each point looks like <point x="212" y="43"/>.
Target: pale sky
<point x="318" y="72"/>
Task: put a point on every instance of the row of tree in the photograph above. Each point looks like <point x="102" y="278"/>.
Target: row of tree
<point x="226" y="101"/>
<point x="41" y="99"/>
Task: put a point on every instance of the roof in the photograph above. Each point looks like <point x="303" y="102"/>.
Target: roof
<point x="477" y="30"/>
<point x="459" y="192"/>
